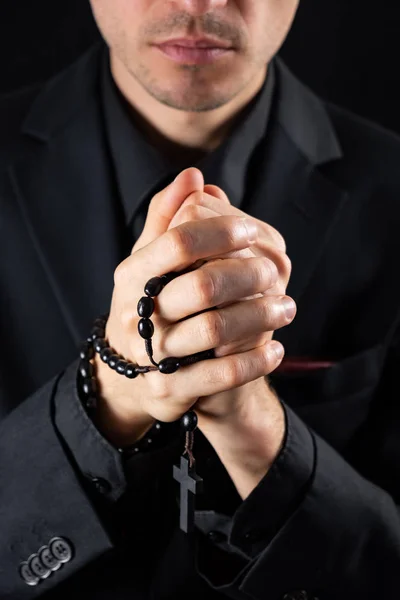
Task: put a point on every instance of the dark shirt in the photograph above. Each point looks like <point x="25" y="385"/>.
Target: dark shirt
<point x="235" y="531"/>
<point x="141" y="170"/>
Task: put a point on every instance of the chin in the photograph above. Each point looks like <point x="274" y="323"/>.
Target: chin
<point x="193" y="97"/>
<point x="190" y="103"/>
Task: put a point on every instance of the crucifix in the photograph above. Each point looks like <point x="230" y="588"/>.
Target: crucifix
<point x="191" y="484"/>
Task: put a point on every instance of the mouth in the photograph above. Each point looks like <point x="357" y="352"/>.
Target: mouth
<point x="191" y="42"/>
<point x="194" y="51"/>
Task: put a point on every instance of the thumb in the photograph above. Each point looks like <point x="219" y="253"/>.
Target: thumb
<point x="165" y="204"/>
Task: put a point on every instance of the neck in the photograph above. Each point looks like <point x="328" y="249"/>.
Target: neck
<point x="184" y="136"/>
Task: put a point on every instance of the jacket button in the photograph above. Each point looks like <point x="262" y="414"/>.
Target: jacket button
<point x="37" y="567"/>
<point x="216" y="537"/>
<point x="296" y="595"/>
<point x="101" y="485"/>
<point x="61" y="549"/>
<point x="48" y="559"/>
<point x="27" y="575"/>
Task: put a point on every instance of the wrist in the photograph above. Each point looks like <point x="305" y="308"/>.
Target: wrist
<point x="118" y="417"/>
<point x="252" y="435"/>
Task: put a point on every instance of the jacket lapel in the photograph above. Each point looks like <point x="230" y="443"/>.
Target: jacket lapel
<point x="291" y="193"/>
<point x="61" y="170"/>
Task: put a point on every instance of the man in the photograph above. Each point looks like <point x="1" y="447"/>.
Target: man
<point x="189" y="144"/>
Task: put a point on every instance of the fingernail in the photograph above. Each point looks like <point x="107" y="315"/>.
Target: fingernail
<point x="278" y="349"/>
<point x="290" y="307"/>
<point x="251" y="228"/>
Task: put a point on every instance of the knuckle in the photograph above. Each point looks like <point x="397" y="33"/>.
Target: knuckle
<point x="228" y="229"/>
<point x="191" y="212"/>
<point x="126" y="319"/>
<point x="231" y="233"/>
<point x="232" y="373"/>
<point x="267" y="270"/>
<point x="204" y="287"/>
<point x="120" y="273"/>
<point x="266" y="311"/>
<point x="279" y="240"/>
<point x="211" y="328"/>
<point x="273" y="272"/>
<point x="283" y="265"/>
<point x="287" y="264"/>
<point x="195" y="198"/>
<point x="181" y="243"/>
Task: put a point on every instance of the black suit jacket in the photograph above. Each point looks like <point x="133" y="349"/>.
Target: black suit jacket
<point x="329" y="184"/>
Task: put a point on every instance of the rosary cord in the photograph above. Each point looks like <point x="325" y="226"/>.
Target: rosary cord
<point x="145" y="369"/>
<point x="185" y="361"/>
<point x="189" y="441"/>
<point x="149" y="349"/>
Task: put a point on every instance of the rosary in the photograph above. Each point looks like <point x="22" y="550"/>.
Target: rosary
<point x="185" y="473"/>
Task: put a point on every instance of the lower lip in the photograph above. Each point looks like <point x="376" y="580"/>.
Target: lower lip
<point x="194" y="56"/>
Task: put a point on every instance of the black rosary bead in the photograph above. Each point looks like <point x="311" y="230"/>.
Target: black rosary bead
<point x="97" y="332"/>
<point x="189" y="421"/>
<point x="87" y="351"/>
<point x="121" y="366"/>
<point x="113" y="361"/>
<point x="154" y="286"/>
<point x="86" y="368"/>
<point x="106" y="353"/>
<point x="146" y="328"/>
<point x="99" y="344"/>
<point x="100" y="323"/>
<point x="168" y="365"/>
<point x="145" y="307"/>
<point x="169" y="277"/>
<point x="89" y="386"/>
<point x="130" y="371"/>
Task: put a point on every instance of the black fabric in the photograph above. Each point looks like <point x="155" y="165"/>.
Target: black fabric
<point x="227" y="166"/>
<point x="328" y="182"/>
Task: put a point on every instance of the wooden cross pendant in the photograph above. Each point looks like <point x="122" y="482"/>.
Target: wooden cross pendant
<point x="191" y="484"/>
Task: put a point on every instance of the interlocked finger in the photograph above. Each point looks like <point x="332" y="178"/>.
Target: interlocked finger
<point x="216" y="282"/>
<point x="180" y="247"/>
<point x="269" y="242"/>
<point x="219" y="327"/>
<point x="218" y="375"/>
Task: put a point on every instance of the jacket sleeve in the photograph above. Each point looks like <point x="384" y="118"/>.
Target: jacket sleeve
<point x="110" y="472"/>
<point x="42" y="497"/>
<point x="59" y="496"/>
<point x="342" y="538"/>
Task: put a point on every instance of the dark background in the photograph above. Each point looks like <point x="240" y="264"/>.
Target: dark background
<point x="346" y="50"/>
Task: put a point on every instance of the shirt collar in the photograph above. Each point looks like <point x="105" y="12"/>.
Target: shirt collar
<point x="141" y="170"/>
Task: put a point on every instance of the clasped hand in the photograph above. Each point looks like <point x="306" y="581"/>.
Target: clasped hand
<point x="241" y="271"/>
